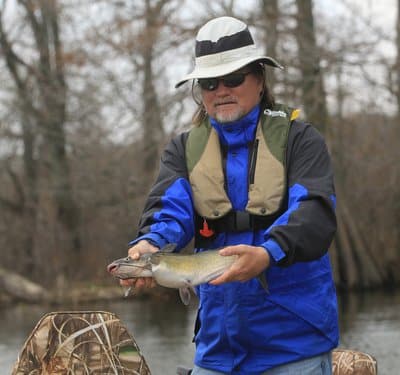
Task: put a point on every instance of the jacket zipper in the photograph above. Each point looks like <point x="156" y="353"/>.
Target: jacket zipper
<point x="253" y="160"/>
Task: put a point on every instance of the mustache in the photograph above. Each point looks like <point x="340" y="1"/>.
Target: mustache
<point x="228" y="100"/>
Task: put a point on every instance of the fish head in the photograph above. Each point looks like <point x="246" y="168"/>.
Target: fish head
<point x="128" y="268"/>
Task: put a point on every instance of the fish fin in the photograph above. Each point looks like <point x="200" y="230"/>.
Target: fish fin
<point x="213" y="276"/>
<point x="127" y="291"/>
<point x="184" y="293"/>
<point x="263" y="281"/>
<point x="169" y="248"/>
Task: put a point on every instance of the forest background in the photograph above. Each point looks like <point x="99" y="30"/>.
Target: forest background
<point x="87" y="102"/>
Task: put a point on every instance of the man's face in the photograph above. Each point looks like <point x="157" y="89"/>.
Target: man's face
<point x="227" y="104"/>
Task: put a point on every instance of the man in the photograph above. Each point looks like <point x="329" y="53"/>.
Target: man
<point x="252" y="179"/>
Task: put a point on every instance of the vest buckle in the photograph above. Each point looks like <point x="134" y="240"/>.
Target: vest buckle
<point x="242" y="221"/>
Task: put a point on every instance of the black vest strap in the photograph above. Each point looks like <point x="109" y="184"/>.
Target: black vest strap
<point x="234" y="221"/>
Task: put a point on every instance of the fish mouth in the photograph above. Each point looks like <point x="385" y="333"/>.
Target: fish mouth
<point x="112" y="268"/>
<point x="120" y="270"/>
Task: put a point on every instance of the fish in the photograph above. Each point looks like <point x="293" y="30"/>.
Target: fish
<point x="179" y="271"/>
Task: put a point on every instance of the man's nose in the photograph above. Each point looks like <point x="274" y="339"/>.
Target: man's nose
<point x="222" y="90"/>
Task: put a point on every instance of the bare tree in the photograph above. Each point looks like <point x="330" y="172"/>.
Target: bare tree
<point x="40" y="86"/>
<point x="397" y="65"/>
<point x="396" y="201"/>
<point x="354" y="260"/>
<point x="270" y="15"/>
<point x="314" y="96"/>
<point x="353" y="139"/>
<point x="152" y="120"/>
<point x="84" y="120"/>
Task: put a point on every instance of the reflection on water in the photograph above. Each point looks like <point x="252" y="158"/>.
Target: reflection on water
<point x="164" y="330"/>
<point x="370" y="322"/>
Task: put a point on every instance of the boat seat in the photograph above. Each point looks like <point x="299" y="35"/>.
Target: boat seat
<point x="353" y="362"/>
<point x="80" y="342"/>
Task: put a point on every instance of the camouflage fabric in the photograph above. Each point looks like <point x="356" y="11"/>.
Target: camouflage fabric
<point x="80" y="343"/>
<point x="352" y="362"/>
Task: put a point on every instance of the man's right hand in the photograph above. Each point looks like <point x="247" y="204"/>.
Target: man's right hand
<point x="142" y="247"/>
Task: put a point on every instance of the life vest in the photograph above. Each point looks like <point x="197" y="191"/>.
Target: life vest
<point x="267" y="170"/>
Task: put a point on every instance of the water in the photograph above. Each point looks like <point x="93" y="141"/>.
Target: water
<point x="371" y="323"/>
<point x="164" y="330"/>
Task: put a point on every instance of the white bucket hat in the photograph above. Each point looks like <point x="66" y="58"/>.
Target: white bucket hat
<point x="224" y="45"/>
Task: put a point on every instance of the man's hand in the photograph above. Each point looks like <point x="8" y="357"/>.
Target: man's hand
<point x="251" y="262"/>
<point x="142" y="247"/>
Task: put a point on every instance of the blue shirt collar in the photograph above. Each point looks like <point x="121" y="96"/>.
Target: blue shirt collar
<point x="240" y="132"/>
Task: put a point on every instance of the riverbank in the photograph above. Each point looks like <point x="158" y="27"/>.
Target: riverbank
<point x="90" y="293"/>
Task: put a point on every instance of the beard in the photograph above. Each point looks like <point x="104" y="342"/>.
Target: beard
<point x="225" y="115"/>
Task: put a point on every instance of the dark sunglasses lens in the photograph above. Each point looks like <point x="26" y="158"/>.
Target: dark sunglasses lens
<point x="234" y="80"/>
<point x="208" y="84"/>
<point x="231" y="80"/>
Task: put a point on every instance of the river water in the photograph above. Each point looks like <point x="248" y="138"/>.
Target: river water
<point x="163" y="330"/>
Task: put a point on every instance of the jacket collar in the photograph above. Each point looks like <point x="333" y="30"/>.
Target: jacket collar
<point x="238" y="133"/>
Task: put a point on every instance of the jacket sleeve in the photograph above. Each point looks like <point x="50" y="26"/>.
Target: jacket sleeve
<point x="306" y="229"/>
<point x="167" y="217"/>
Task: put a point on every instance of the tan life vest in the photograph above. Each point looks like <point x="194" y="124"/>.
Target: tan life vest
<point x="267" y="188"/>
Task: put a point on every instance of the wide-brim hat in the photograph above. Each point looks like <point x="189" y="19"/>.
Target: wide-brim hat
<point x="224" y="45"/>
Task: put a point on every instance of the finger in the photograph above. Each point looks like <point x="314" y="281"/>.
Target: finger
<point x="224" y="278"/>
<point x="127" y="282"/>
<point x="148" y="282"/>
<point x="140" y="283"/>
<point x="145" y="283"/>
<point x="134" y="253"/>
<point x="231" y="250"/>
<point x="218" y="281"/>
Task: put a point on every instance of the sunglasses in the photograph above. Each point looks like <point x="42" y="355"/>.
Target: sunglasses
<point x="231" y="80"/>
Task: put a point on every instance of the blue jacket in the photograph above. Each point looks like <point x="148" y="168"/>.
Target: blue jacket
<point x="240" y="328"/>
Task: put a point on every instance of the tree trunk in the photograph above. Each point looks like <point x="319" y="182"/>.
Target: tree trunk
<point x="397" y="70"/>
<point x="270" y="12"/>
<point x="312" y="78"/>
<point x="153" y="129"/>
<point x="358" y="265"/>
<point x="42" y="99"/>
<point x="396" y="203"/>
<point x="355" y="262"/>
<point x="55" y="163"/>
<point x="20" y="288"/>
<point x="30" y="196"/>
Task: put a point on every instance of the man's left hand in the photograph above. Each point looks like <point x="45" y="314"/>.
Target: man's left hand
<point x="251" y="262"/>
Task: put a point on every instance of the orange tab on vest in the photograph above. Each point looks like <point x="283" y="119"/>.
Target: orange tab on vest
<point x="206" y="231"/>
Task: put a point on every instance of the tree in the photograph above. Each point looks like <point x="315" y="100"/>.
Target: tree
<point x="83" y="120"/>
<point x="314" y="97"/>
<point x="142" y="37"/>
<point x="396" y="202"/>
<point x="270" y="15"/>
<point x="38" y="75"/>
<point x="152" y="120"/>
<point x="396" y="88"/>
<point x="355" y="262"/>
